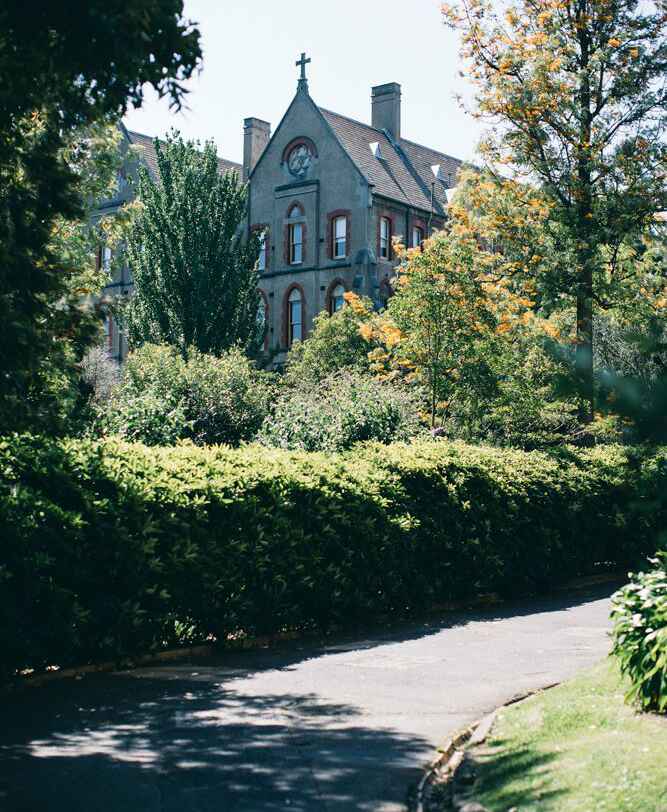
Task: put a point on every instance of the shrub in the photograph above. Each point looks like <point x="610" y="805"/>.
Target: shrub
<point x="163" y="398"/>
<point x="640" y="635"/>
<point x="345" y="408"/>
<point x="110" y="548"/>
<point x="334" y="343"/>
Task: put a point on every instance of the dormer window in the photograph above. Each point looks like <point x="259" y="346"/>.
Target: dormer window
<point x="375" y="149"/>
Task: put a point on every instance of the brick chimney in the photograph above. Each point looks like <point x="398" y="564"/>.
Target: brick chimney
<point x="386" y="107"/>
<point x="256" y="135"/>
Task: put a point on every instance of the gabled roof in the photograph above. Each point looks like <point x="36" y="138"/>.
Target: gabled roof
<point x="147" y="145"/>
<point x="404" y="170"/>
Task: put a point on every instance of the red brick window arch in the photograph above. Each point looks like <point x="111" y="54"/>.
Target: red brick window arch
<point x="294" y="315"/>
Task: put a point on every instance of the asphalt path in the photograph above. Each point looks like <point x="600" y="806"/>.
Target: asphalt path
<point x="347" y="724"/>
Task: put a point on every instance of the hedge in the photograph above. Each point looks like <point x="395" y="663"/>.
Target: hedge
<point x="110" y="548"/>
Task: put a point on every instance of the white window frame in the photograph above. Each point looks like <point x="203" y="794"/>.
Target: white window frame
<point x="295" y="246"/>
<point x="417" y="236"/>
<point x="337" y="300"/>
<point x="385" y="237"/>
<point x="339" y="239"/>
<point x="261" y="259"/>
<point x="294" y="309"/>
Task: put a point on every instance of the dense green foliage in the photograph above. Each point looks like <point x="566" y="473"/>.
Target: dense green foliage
<point x="194" y="272"/>
<point x="334" y="343"/>
<point x="640" y="635"/>
<point x="344" y="408"/>
<point x="64" y="67"/>
<point x="162" y="398"/>
<point x="107" y="545"/>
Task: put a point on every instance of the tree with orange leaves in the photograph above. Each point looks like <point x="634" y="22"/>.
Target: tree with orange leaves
<point x="439" y="319"/>
<point x="576" y="93"/>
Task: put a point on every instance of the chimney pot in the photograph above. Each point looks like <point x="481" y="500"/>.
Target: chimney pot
<point x="386" y="108"/>
<point x="256" y="135"/>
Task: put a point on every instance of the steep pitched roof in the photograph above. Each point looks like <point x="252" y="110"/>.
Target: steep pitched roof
<point x="403" y="169"/>
<point x="147" y="145"/>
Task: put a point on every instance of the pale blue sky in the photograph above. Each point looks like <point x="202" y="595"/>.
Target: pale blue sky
<point x="250" y="49"/>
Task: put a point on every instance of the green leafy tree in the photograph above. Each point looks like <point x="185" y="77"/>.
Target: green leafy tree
<point x="334" y="343"/>
<point x="438" y="323"/>
<point x="64" y="67"/>
<point x="576" y="92"/>
<point x="195" y="273"/>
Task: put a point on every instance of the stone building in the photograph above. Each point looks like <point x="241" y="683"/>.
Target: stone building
<point x="328" y="194"/>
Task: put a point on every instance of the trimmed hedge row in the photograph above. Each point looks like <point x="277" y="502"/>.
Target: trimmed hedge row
<point x="110" y="548"/>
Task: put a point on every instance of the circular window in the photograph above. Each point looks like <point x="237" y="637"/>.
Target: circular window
<point x="299" y="160"/>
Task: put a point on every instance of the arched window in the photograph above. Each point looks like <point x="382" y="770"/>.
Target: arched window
<point x="294" y="316"/>
<point x="336" y="298"/>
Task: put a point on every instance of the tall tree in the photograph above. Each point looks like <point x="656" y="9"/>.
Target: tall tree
<point x="64" y="66"/>
<point x="195" y="273"/>
<point x="576" y="93"/>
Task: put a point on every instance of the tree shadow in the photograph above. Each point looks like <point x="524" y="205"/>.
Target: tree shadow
<point x="204" y="735"/>
<point x="494" y="773"/>
<point x="123" y="743"/>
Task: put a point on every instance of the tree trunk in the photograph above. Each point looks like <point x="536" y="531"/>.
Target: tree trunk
<point x="584" y="348"/>
<point x="585" y="250"/>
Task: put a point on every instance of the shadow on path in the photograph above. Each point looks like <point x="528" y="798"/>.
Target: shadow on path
<point x="206" y="736"/>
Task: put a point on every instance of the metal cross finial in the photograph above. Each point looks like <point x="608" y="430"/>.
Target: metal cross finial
<point x="303" y="81"/>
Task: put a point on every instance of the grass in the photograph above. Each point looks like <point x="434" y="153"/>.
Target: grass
<point x="575" y="748"/>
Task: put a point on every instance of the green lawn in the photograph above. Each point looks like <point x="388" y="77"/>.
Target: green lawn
<point x="576" y="748"/>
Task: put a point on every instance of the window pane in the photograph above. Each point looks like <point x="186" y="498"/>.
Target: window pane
<point x="261" y="263"/>
<point x="295" y="316"/>
<point x="337" y="298"/>
<point x="384" y="238"/>
<point x="296" y="240"/>
<point x="341" y="224"/>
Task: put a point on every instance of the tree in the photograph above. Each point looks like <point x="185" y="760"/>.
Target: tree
<point x="334" y="343"/>
<point x="439" y="320"/>
<point x="576" y="92"/>
<point x="195" y="277"/>
<point x="65" y="66"/>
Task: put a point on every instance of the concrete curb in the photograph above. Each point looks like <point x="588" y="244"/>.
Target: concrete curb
<point x="446" y="765"/>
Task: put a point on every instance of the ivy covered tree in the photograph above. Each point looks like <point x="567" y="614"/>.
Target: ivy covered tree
<point x="576" y="92"/>
<point x="194" y="270"/>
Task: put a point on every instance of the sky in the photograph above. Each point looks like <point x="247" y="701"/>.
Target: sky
<point x="248" y="69"/>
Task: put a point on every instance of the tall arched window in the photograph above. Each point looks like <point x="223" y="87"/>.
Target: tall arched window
<point x="294" y="316"/>
<point x="336" y="298"/>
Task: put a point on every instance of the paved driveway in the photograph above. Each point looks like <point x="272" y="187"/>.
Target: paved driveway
<point x="345" y="725"/>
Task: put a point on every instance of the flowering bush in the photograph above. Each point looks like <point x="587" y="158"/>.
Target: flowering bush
<point x="640" y="635"/>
